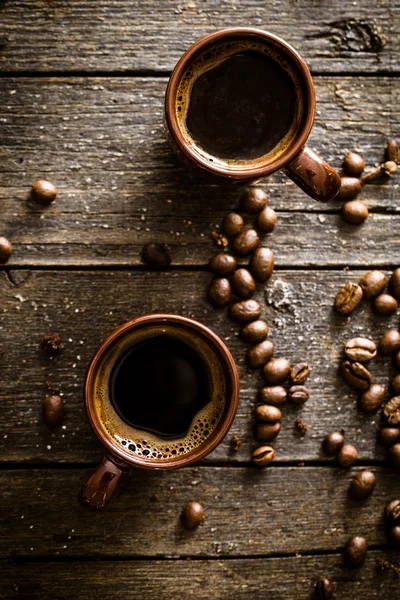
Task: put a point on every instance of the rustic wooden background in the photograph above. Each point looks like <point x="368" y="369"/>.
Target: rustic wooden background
<point x="81" y="103"/>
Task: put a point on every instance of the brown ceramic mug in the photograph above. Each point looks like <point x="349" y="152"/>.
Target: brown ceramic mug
<point x="300" y="163"/>
<point x="128" y="446"/>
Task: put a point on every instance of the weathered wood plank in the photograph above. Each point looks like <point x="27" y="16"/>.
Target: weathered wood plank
<point x="127" y="35"/>
<point x="247" y="579"/>
<point x="85" y="306"/>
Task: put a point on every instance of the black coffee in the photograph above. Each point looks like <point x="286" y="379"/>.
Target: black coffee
<point x="159" y="385"/>
<point x="241" y="108"/>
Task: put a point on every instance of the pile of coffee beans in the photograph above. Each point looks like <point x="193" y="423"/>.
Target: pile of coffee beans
<point x="370" y="287"/>
<point x="392" y="518"/>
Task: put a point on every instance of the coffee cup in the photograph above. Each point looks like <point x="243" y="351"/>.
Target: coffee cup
<point x="161" y="393"/>
<point x="240" y="105"/>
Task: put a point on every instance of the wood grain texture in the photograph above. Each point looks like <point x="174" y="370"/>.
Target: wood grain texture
<point x="249" y="511"/>
<point x="128" y="34"/>
<point x="83" y="307"/>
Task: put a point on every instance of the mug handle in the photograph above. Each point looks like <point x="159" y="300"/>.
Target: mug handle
<point x="313" y="175"/>
<point x="101" y="485"/>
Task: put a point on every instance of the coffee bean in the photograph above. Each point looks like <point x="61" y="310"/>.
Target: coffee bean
<point x="360" y="349"/>
<point x="394" y="284"/>
<point x="356" y="375"/>
<point x="253" y="200"/>
<point x="396" y="361"/>
<point x="219" y="292"/>
<point x="53" y="410"/>
<point x="232" y="224"/>
<point x="267" y="432"/>
<point x="223" y="264"/>
<point x="355" y="552"/>
<point x="245" y="311"/>
<point x="384" y="305"/>
<point x="263" y="456"/>
<point x="348" y="297"/>
<point x="192" y="515"/>
<point x="347" y="456"/>
<point x="219" y="239"/>
<point x="298" y="394"/>
<point x="43" y="191"/>
<point x="254" y="332"/>
<point x="372" y="284"/>
<point x="324" y="589"/>
<point x="389" y="167"/>
<point x="396" y="385"/>
<point x="266" y="220"/>
<point x="392" y="151"/>
<point x="391" y="411"/>
<point x="273" y="394"/>
<point x="394" y="455"/>
<point x="388" y="436"/>
<point x="333" y="443"/>
<point x="354" y="164"/>
<point x="259" y="354"/>
<point x="262" y="264"/>
<point x="392" y="513"/>
<point x="236" y="443"/>
<point x="52" y="343"/>
<point x="372" y="175"/>
<point x="5" y="250"/>
<point x="390" y="342"/>
<point x="354" y="212"/>
<point x="243" y="284"/>
<point x="156" y="256"/>
<point x="245" y="242"/>
<point x="276" y="370"/>
<point x="299" y="373"/>
<point x="372" y="399"/>
<point x="362" y="485"/>
<point x="350" y="187"/>
<point x="267" y="413"/>
<point x="394" y="536"/>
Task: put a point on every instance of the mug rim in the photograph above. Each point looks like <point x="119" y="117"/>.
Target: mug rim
<point x="217" y="435"/>
<point x="308" y="114"/>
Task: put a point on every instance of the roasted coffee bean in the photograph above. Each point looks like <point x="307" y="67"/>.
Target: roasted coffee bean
<point x="354" y="212"/>
<point x="389" y="167"/>
<point x="333" y="443"/>
<point x="391" y="411"/>
<point x="360" y="349"/>
<point x="392" y="151"/>
<point x="355" y="552"/>
<point x="388" y="436"/>
<point x="384" y="305"/>
<point x="253" y="200"/>
<point x="299" y="373"/>
<point x="243" y="283"/>
<point x="156" y="256"/>
<point x="267" y="413"/>
<point x="219" y="292"/>
<point x="263" y="456"/>
<point x="394" y="284"/>
<point x="245" y="242"/>
<point x="354" y="164"/>
<point x="266" y="220"/>
<point x="362" y="485"/>
<point x="43" y="191"/>
<point x="394" y="536"/>
<point x="245" y="311"/>
<point x="396" y="385"/>
<point x="348" y="297"/>
<point x="324" y="589"/>
<point x="356" y="375"/>
<point x="392" y="513"/>
<point x="254" y="332"/>
<point x="396" y="361"/>
<point x="273" y="394"/>
<point x="390" y="342"/>
<point x="5" y="250"/>
<point x="259" y="354"/>
<point x="372" y="399"/>
<point x="53" y="410"/>
<point x="372" y="175"/>
<point x="394" y="455"/>
<point x="232" y="224"/>
<point x="372" y="284"/>
<point x="350" y="187"/>
<point x="298" y="394"/>
<point x="267" y="432"/>
<point x="52" y="343"/>
<point x="276" y="370"/>
<point x="192" y="515"/>
<point x="223" y="264"/>
<point x="262" y="264"/>
<point x="347" y="456"/>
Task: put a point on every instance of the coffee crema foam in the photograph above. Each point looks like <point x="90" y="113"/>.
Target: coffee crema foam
<point x="211" y="58"/>
<point x="143" y="443"/>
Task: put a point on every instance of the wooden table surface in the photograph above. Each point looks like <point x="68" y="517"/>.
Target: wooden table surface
<point x="81" y="104"/>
